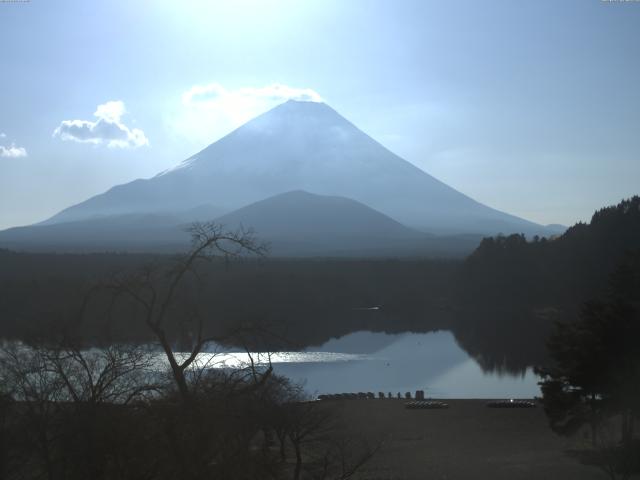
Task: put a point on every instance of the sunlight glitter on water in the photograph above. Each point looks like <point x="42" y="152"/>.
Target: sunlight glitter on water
<point x="242" y="359"/>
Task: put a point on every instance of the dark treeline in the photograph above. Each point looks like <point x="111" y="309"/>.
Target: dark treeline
<point x="301" y="302"/>
<point x="558" y="271"/>
<point x="516" y="289"/>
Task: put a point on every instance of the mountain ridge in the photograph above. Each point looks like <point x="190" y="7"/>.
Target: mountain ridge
<point x="304" y="146"/>
<point x="294" y="224"/>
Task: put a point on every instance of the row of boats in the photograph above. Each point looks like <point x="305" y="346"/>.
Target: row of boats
<point x="420" y="403"/>
<point x="370" y="395"/>
<point x="430" y="404"/>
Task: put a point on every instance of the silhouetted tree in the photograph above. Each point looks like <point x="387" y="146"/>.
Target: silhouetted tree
<point x="595" y="374"/>
<point x="155" y="291"/>
<point x="72" y="411"/>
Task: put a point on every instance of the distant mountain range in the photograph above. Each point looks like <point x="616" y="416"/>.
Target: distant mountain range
<point x="292" y="224"/>
<point x="303" y="177"/>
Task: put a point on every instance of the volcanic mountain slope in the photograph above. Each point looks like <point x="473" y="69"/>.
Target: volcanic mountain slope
<point x="303" y="146"/>
<point x="132" y="232"/>
<point x="295" y="223"/>
<point x="300" y="214"/>
<point x="301" y="223"/>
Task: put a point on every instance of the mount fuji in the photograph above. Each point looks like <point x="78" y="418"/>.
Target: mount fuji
<point x="296" y="146"/>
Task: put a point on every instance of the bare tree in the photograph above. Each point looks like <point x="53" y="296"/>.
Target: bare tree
<point x="67" y="404"/>
<point x="155" y="290"/>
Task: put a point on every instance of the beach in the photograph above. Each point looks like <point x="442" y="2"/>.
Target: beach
<point x="468" y="440"/>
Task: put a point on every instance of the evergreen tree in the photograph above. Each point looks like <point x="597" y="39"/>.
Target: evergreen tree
<point x="595" y="376"/>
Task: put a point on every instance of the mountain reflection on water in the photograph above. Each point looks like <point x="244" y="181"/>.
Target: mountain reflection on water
<point x="370" y="361"/>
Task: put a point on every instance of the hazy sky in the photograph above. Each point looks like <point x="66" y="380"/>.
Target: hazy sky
<point x="532" y="107"/>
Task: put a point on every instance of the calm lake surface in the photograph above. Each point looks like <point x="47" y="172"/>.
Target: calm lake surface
<point x="372" y="362"/>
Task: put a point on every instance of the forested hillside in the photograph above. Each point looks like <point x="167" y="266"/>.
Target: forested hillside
<point x="511" y="291"/>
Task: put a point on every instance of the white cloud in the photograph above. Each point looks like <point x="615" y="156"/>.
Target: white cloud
<point x="12" y="151"/>
<point x="209" y="111"/>
<point x="107" y="129"/>
<point x="111" y="111"/>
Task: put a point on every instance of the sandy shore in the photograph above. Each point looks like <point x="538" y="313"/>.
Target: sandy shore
<point x="466" y="441"/>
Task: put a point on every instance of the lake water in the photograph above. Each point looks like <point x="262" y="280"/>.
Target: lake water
<point x="373" y="362"/>
<point x="378" y="362"/>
